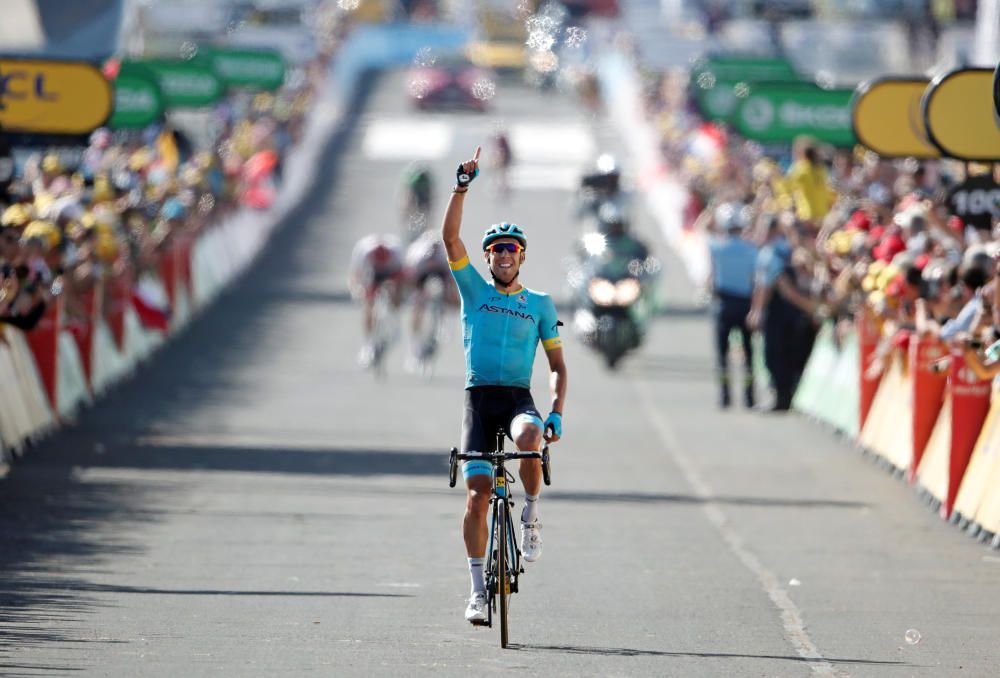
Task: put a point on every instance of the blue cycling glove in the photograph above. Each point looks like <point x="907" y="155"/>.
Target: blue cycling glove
<point x="554" y="421"/>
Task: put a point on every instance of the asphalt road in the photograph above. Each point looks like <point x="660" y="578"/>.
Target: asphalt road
<point x="255" y="504"/>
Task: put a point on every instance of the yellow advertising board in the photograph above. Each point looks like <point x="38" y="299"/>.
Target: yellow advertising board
<point x="52" y="97"/>
<point x="887" y="118"/>
<point x="959" y="114"/>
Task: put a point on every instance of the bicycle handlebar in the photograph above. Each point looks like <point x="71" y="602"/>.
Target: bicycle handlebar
<point x="487" y="456"/>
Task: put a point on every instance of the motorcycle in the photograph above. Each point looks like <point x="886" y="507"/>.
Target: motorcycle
<point x="613" y="299"/>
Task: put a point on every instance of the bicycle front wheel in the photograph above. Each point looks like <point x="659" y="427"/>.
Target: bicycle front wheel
<point x="503" y="558"/>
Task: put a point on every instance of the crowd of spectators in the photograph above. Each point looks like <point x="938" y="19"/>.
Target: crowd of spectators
<point x="71" y="218"/>
<point x="845" y="232"/>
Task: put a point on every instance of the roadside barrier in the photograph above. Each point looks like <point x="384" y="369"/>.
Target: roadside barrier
<point x="927" y="395"/>
<point x="968" y="403"/>
<point x="47" y="375"/>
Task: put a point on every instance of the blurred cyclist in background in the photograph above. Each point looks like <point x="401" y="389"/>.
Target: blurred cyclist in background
<point x="428" y="274"/>
<point x="502" y="160"/>
<point x="376" y="262"/>
<point x="418" y="186"/>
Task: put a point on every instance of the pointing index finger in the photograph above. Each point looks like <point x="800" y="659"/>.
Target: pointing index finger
<point x="475" y="156"/>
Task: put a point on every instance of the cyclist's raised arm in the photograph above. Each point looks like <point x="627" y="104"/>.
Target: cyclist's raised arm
<point x="450" y="229"/>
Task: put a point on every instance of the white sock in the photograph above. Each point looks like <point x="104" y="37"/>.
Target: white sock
<point x="476" y="574"/>
<point x="529" y="513"/>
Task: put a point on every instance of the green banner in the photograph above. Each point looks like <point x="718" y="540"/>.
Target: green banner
<point x="248" y="68"/>
<point x="720" y="82"/>
<point x="717" y="99"/>
<point x="779" y="112"/>
<point x="735" y="68"/>
<point x="185" y="84"/>
<point x="138" y="100"/>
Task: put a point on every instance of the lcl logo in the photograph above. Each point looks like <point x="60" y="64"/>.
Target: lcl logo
<point x="19" y="85"/>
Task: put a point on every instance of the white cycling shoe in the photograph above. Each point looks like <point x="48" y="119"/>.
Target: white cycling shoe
<point x="531" y="541"/>
<point x="476" y="611"/>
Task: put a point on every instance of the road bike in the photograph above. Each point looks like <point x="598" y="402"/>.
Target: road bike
<point x="384" y="327"/>
<point x="433" y="330"/>
<point x="503" y="565"/>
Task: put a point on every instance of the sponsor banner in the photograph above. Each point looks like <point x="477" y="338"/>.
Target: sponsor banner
<point x="976" y="201"/>
<point x="996" y="93"/>
<point x="185" y="84"/>
<point x="778" y="112"/>
<point x="261" y="69"/>
<point x="960" y="115"/>
<point x="52" y="97"/>
<point x="719" y="82"/>
<point x="138" y="100"/>
<point x="734" y="68"/>
<point x="887" y="118"/>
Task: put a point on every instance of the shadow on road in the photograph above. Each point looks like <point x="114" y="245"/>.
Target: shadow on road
<point x="211" y="592"/>
<point x="632" y="652"/>
<point x="642" y="498"/>
<point x="248" y="459"/>
<point x="58" y="526"/>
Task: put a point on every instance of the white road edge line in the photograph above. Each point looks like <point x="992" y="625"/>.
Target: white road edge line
<point x="791" y="617"/>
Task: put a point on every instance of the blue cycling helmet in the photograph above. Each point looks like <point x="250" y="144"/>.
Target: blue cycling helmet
<point x="504" y="230"/>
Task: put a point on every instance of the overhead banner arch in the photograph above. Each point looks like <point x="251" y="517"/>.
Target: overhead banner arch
<point x="888" y="119"/>
<point x="959" y="112"/>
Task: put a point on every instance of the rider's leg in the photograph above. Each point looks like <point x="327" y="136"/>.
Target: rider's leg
<point x="474" y="526"/>
<point x="526" y="429"/>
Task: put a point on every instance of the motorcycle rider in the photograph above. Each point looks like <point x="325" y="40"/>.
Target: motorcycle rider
<point x="600" y="187"/>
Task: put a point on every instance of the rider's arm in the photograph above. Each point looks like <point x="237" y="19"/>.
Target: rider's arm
<point x="557" y="378"/>
<point x="453" y="214"/>
<point x="452" y="225"/>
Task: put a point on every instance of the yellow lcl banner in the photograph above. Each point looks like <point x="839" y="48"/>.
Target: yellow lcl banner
<point x="959" y="114"/>
<point x="887" y="118"/>
<point x="52" y="97"/>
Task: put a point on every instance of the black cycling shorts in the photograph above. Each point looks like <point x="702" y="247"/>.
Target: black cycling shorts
<point x="486" y="409"/>
<point x="490" y="407"/>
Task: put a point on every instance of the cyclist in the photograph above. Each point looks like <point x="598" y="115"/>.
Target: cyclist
<point x="376" y="261"/>
<point x="503" y="158"/>
<point x="502" y="325"/>
<point x="427" y="261"/>
<point x="418" y="189"/>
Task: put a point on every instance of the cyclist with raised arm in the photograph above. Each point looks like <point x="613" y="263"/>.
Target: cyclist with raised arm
<point x="502" y="325"/>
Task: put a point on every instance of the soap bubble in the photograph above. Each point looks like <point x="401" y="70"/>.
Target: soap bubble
<point x="206" y="203"/>
<point x="575" y="36"/>
<point x="484" y="89"/>
<point x="541" y="41"/>
<point x="425" y="57"/>
<point x="912" y="636"/>
<point x="188" y="50"/>
<point x="706" y="80"/>
<point x="419" y="87"/>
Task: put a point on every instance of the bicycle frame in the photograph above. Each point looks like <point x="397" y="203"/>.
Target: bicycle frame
<point x="503" y="564"/>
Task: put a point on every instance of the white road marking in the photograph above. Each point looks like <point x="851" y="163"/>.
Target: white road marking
<point x="545" y="177"/>
<point x="407" y="139"/>
<point x="551" y="142"/>
<point x="791" y="617"/>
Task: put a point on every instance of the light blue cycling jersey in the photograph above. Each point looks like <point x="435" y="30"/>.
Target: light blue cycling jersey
<point x="501" y="330"/>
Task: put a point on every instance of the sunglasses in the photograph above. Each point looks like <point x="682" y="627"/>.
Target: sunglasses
<point x="512" y="247"/>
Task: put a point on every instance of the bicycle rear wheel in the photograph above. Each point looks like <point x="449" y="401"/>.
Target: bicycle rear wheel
<point x="503" y="558"/>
